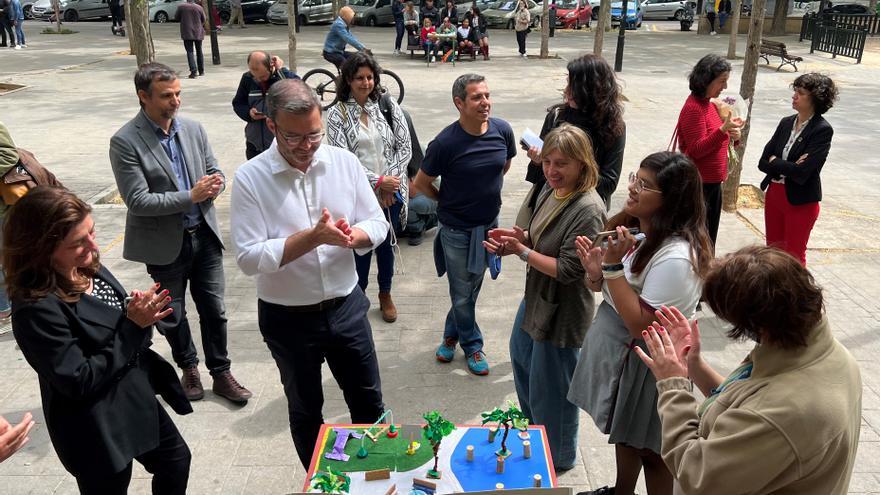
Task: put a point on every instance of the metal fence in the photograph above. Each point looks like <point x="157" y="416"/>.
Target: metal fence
<point x="839" y="39"/>
<point x="871" y="23"/>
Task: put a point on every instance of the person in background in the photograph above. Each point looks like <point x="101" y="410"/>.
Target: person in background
<point x="9" y="158"/>
<point x="787" y="419"/>
<point x="339" y="36"/>
<point x="466" y="36"/>
<point x="429" y="11"/>
<point x="117" y="14"/>
<point x="450" y="11"/>
<point x="249" y="102"/>
<point x="410" y="19"/>
<point x="236" y="15"/>
<point x="710" y="16"/>
<point x="428" y="38"/>
<point x="481" y="27"/>
<point x="665" y="269"/>
<point x="592" y="100"/>
<point x="358" y="124"/>
<point x="551" y="17"/>
<point x="446" y="38"/>
<point x="6" y="25"/>
<point x="192" y="32"/>
<point x="13" y="438"/>
<point x="557" y="307"/>
<point x="15" y="16"/>
<point x="703" y="136"/>
<point x="522" y="21"/>
<point x="724" y="11"/>
<point x="793" y="160"/>
<point x="397" y="7"/>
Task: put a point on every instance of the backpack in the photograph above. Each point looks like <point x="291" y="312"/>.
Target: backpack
<point x="27" y="174"/>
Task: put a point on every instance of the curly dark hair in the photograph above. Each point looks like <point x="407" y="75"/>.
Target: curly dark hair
<point x="766" y="294"/>
<point x="595" y="90"/>
<point x="350" y="68"/>
<point x="34" y="228"/>
<point x="707" y="70"/>
<point x="823" y="91"/>
<point x="682" y="214"/>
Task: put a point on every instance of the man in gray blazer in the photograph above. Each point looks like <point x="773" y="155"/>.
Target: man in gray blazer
<point x="168" y="178"/>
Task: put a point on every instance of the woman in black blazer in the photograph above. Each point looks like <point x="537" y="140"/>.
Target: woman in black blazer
<point x="90" y="349"/>
<point x="792" y="161"/>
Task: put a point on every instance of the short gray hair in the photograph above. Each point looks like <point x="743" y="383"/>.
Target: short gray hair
<point x="150" y="72"/>
<point x="459" y="87"/>
<point x="291" y="96"/>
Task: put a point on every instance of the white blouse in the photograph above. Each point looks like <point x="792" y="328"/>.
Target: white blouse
<point x="371" y="147"/>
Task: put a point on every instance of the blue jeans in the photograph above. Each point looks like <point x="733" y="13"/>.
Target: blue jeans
<point x="384" y="258"/>
<point x="430" y="48"/>
<point x="194" y="60"/>
<point x="542" y="375"/>
<point x="422" y="214"/>
<point x="464" y="288"/>
<point x="398" y="25"/>
<point x="200" y="263"/>
<point x="19" y="32"/>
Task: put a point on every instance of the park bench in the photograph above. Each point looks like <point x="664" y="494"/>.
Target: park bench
<point x="777" y="49"/>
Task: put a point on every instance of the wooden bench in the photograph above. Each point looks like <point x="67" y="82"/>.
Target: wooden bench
<point x="771" y="48"/>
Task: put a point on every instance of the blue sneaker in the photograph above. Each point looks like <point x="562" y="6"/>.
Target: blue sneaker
<point x="477" y="363"/>
<point x="446" y="351"/>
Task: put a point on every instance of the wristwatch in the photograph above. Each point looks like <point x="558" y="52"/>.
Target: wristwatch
<point x="525" y="255"/>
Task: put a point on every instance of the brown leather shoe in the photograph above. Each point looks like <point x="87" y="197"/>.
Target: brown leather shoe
<point x="225" y="385"/>
<point x="192" y="384"/>
<point x="386" y="305"/>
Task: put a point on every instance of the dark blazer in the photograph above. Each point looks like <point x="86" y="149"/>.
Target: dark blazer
<point x="98" y="379"/>
<point x="802" y="184"/>
<point x="192" y="21"/>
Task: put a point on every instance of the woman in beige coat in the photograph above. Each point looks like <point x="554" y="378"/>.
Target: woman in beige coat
<point x="786" y="421"/>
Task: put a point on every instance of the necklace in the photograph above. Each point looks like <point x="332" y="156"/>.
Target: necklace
<point x="557" y="196"/>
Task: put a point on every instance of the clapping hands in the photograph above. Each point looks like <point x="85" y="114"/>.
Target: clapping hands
<point x="332" y="232"/>
<point x="146" y="308"/>
<point x="673" y="343"/>
<point x="505" y="241"/>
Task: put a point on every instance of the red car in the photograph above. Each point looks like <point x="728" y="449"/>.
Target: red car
<point x="572" y="14"/>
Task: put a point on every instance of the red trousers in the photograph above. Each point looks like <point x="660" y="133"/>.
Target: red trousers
<point x="788" y="226"/>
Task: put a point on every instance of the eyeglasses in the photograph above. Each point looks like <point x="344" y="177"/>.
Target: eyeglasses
<point x="294" y="140"/>
<point x="640" y="184"/>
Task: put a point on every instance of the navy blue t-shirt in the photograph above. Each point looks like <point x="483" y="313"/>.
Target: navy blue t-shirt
<point x="472" y="171"/>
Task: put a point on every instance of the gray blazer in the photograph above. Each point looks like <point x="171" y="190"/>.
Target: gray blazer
<point x="154" y="223"/>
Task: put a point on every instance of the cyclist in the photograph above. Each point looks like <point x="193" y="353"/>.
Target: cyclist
<point x="339" y="36"/>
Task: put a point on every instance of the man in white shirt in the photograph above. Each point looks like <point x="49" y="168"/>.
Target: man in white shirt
<point x="298" y="209"/>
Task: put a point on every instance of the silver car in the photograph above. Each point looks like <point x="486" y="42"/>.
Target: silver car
<point x="164" y="10"/>
<point x="665" y="9"/>
<point x="372" y="12"/>
<point x="72" y="10"/>
<point x="310" y="11"/>
<point x="501" y="14"/>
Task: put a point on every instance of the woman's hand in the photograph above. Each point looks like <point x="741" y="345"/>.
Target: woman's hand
<point x="13" y="438"/>
<point x="390" y="183"/>
<point x="663" y="362"/>
<point x="145" y="308"/>
<point x="591" y="257"/>
<point x="684" y="334"/>
<point x="516" y="232"/>
<point x="731" y="123"/>
<point x="534" y="154"/>
<point x="386" y="199"/>
<point x="502" y="245"/>
<point x="617" y="248"/>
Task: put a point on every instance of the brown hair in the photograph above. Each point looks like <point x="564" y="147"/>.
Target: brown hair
<point x="34" y="228"/>
<point x="574" y="143"/>
<point x="766" y="294"/>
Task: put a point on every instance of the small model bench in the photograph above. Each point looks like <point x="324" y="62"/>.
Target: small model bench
<point x="771" y="48"/>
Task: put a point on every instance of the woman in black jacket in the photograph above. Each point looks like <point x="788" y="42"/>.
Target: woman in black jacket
<point x="481" y="29"/>
<point x="591" y="101"/>
<point x="792" y="161"/>
<point x="89" y="345"/>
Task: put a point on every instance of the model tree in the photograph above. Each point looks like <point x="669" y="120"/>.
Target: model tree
<point x="511" y="417"/>
<point x="331" y="482"/>
<point x="436" y="427"/>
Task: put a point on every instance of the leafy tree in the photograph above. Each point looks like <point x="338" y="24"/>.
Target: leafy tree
<point x="331" y="482"/>
<point x="436" y="427"/>
<point x="511" y="417"/>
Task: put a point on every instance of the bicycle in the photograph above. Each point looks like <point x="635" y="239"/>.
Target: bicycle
<point x="324" y="83"/>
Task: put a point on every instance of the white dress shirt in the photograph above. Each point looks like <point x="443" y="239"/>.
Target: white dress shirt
<point x="271" y="200"/>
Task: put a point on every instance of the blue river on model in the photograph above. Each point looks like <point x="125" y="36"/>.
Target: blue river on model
<point x="518" y="471"/>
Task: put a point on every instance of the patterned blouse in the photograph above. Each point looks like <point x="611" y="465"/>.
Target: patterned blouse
<point x="105" y="293"/>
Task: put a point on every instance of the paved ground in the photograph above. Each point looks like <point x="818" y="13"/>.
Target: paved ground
<point x="81" y="92"/>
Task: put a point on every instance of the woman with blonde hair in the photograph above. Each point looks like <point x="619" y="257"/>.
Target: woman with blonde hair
<point x="557" y="307"/>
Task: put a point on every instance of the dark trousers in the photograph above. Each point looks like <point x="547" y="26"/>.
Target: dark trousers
<point x="712" y="197"/>
<point x="168" y="463"/>
<point x="710" y="16"/>
<point x="521" y="40"/>
<point x="384" y="256"/>
<point x="200" y="263"/>
<point x="116" y="13"/>
<point x="6" y="28"/>
<point x="398" y="39"/>
<point x="336" y="58"/>
<point x="300" y="342"/>
<point x="251" y="150"/>
<point x="195" y="60"/>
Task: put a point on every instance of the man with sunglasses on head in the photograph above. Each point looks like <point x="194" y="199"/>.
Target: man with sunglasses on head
<point x="298" y="210"/>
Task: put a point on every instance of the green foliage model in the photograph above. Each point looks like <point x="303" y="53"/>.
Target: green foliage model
<point x="511" y="417"/>
<point x="436" y="427"/>
<point x="330" y="482"/>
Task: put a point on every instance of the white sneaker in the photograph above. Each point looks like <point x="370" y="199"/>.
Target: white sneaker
<point x="523" y="55"/>
<point x="713" y="33"/>
<point x="433" y="59"/>
<point x="24" y="46"/>
<point x="18" y="47"/>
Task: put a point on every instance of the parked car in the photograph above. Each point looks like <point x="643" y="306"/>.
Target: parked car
<point x="26" y="6"/>
<point x="253" y="10"/>
<point x="71" y="10"/>
<point x="665" y="9"/>
<point x="310" y="12"/>
<point x="633" y="15"/>
<point x="164" y="10"/>
<point x="847" y="8"/>
<point x="372" y="12"/>
<point x="501" y="14"/>
<point x="573" y="13"/>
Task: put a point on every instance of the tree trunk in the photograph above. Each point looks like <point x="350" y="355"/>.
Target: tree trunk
<point x="603" y="24"/>
<point x="872" y="7"/>
<point x="127" y="9"/>
<point x="291" y="36"/>
<point x="57" y="9"/>
<point x="545" y="30"/>
<point x="734" y="28"/>
<point x="141" y="39"/>
<point x="504" y="439"/>
<point x="730" y="189"/>
<point x="436" y="455"/>
<point x="780" y="14"/>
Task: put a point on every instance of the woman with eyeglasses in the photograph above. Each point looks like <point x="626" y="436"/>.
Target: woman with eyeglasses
<point x="549" y="327"/>
<point x="372" y="126"/>
<point x="610" y="382"/>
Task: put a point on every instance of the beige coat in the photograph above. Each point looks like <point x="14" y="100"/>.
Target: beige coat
<point x="791" y="428"/>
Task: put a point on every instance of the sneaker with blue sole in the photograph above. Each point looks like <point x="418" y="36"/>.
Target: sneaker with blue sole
<point x="477" y="363"/>
<point x="446" y="351"/>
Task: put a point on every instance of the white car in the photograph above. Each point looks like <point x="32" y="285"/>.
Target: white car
<point x="164" y="10"/>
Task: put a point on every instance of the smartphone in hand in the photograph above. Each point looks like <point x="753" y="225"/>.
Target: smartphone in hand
<point x="601" y="238"/>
